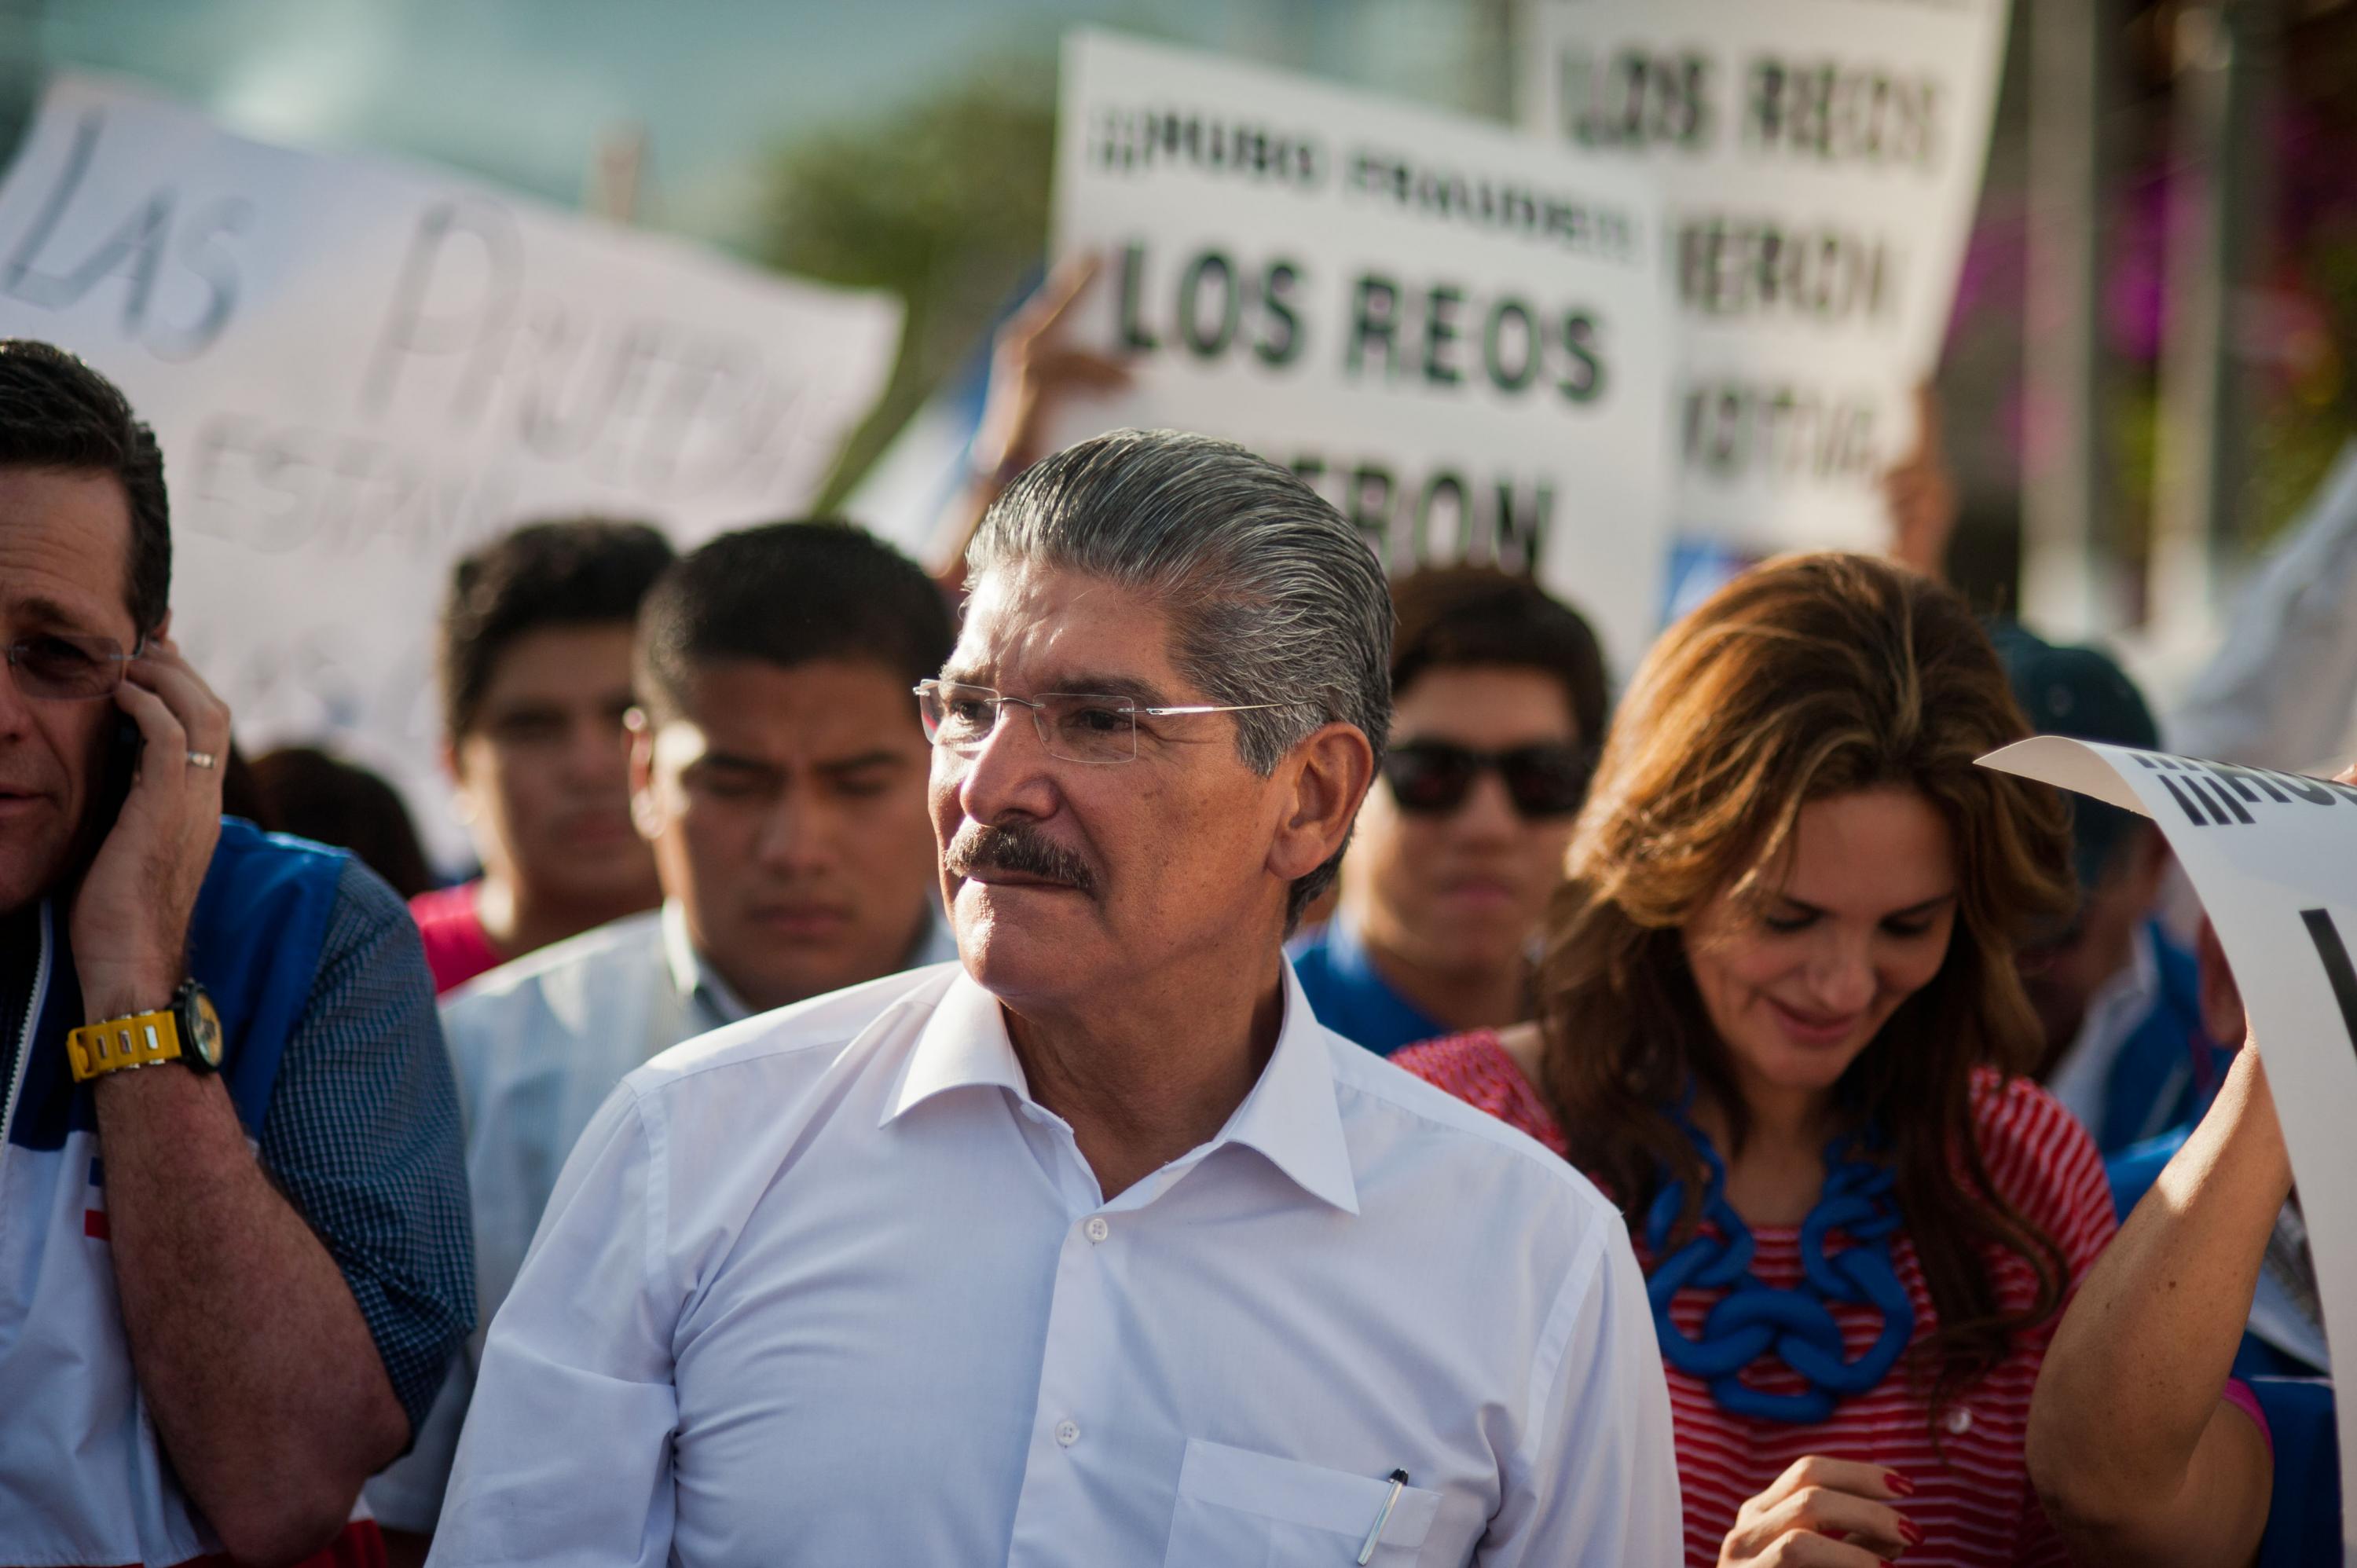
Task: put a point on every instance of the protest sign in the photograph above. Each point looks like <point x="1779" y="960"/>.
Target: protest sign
<point x="1451" y="331"/>
<point x="2274" y="857"/>
<point x="1821" y="160"/>
<point x="359" y="370"/>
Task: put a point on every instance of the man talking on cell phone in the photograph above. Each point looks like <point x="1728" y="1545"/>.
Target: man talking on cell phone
<point x="234" y="1256"/>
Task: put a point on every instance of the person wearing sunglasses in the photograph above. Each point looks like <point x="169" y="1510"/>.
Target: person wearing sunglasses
<point x="1498" y="701"/>
<point x="234" y="1256"/>
<point x="1782" y="1025"/>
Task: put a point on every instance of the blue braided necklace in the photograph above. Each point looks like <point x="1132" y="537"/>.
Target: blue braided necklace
<point x="1754" y="1318"/>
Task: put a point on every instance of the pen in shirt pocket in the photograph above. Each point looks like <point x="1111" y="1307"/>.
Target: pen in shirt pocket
<point x="1398" y="1478"/>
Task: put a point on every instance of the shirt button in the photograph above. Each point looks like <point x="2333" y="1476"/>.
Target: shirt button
<point x="1066" y="1433"/>
<point x="1096" y="1229"/>
<point x="1958" y="1421"/>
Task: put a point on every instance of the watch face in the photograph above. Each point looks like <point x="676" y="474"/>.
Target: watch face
<point x="205" y="1029"/>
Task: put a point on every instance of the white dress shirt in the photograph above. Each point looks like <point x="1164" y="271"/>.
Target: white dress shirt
<point x="2281" y="689"/>
<point x="537" y="1045"/>
<point x="828" y="1286"/>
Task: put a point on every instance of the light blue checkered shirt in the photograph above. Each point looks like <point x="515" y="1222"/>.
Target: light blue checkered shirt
<point x="538" y="1044"/>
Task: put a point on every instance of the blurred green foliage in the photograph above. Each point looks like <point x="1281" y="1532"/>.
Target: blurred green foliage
<point x="2308" y="407"/>
<point x="943" y="202"/>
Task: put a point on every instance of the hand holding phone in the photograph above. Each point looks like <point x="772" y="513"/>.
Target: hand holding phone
<point x="130" y="920"/>
<point x="123" y="744"/>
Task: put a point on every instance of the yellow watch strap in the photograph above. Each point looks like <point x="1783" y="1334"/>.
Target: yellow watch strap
<point x="141" y="1040"/>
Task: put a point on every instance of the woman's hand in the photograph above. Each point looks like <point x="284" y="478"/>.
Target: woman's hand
<point x="1823" y="1513"/>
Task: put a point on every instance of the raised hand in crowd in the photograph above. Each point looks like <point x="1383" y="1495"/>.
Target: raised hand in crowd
<point x="2139" y="1449"/>
<point x="1837" y="1513"/>
<point x="1921" y="491"/>
<point x="1032" y="370"/>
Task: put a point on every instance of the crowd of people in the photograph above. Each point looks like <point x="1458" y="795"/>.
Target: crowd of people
<point x="1161" y="1047"/>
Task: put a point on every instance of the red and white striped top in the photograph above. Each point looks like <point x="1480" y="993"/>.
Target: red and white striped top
<point x="1973" y="1499"/>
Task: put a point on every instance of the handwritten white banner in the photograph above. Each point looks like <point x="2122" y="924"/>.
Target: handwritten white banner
<point x="359" y="370"/>
<point x="1820" y="159"/>
<point x="1454" y="333"/>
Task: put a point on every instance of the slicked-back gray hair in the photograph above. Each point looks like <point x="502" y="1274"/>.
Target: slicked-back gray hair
<point x="1272" y="597"/>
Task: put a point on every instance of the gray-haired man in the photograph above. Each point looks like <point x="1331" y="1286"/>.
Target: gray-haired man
<point x="1093" y="1248"/>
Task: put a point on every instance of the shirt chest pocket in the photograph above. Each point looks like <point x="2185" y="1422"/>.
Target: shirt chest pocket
<point x="1240" y="1509"/>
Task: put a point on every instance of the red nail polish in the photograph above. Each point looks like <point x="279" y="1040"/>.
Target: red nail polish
<point x="1898" y="1483"/>
<point x="1908" y="1532"/>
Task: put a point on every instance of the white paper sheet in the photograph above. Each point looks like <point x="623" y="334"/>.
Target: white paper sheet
<point x="2274" y="857"/>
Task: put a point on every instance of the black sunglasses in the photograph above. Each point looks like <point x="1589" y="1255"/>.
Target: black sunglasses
<point x="1432" y="777"/>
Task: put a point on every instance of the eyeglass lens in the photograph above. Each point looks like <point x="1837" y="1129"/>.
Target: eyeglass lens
<point x="1077" y="727"/>
<point x="63" y="667"/>
<point x="1431" y="778"/>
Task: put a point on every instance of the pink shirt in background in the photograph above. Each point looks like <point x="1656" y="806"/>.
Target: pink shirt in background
<point x="455" y="948"/>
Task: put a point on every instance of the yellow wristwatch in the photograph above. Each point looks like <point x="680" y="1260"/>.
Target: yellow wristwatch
<point x="189" y="1032"/>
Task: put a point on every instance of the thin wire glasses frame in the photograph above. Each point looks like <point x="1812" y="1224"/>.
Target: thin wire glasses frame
<point x="1092" y="727"/>
<point x="66" y="666"/>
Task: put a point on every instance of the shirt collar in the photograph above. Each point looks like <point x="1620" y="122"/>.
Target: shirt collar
<point x="691" y="978"/>
<point x="963" y="1045"/>
<point x="1291" y="1117"/>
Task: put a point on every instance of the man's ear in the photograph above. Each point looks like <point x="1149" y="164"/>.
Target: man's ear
<point x="646" y="811"/>
<point x="2152" y="859"/>
<point x="1328" y="775"/>
<point x="463" y="804"/>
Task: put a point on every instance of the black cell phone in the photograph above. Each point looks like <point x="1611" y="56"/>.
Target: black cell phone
<point x="123" y="744"/>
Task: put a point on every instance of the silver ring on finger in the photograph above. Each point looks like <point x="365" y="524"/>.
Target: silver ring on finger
<point x="202" y="760"/>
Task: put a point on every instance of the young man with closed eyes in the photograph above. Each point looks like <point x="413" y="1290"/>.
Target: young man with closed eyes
<point x="778" y="771"/>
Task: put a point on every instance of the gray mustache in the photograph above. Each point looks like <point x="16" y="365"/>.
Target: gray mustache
<point x="1019" y="849"/>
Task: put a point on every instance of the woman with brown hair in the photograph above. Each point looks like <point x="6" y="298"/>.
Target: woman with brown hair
<point x="1782" y="1025"/>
